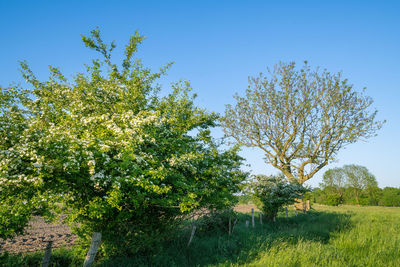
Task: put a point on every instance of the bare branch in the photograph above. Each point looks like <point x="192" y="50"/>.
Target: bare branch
<point x="300" y="118"/>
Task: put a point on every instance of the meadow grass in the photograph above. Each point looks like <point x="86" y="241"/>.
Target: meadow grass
<point x="326" y="236"/>
<point x="371" y="238"/>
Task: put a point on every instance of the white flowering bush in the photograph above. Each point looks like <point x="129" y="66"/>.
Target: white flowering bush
<point x="122" y="160"/>
<point x="273" y="192"/>
<point x="20" y="193"/>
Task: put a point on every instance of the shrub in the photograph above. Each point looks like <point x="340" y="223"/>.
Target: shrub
<point x="217" y="221"/>
<point x="124" y="161"/>
<point x="271" y="193"/>
<point x="331" y="199"/>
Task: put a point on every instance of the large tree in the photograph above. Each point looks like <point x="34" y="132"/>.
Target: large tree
<point x="334" y="180"/>
<point x="300" y="118"/>
<point x="121" y="159"/>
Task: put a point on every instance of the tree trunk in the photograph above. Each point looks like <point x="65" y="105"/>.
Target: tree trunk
<point x="357" y="199"/>
<point x="299" y="204"/>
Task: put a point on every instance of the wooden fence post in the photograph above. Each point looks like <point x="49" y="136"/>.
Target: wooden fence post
<point x="234" y="224"/>
<point x="247" y="223"/>
<point x="286" y="213"/>
<point x="252" y="218"/>
<point x="295" y="211"/>
<point x="47" y="254"/>
<point x="261" y="221"/>
<point x="192" y="234"/>
<point x="94" y="246"/>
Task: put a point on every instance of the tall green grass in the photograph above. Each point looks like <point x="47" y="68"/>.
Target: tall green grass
<point x="326" y="236"/>
<point x="372" y="239"/>
<point x="210" y="248"/>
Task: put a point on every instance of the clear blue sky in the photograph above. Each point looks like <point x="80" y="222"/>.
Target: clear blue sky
<point x="218" y="44"/>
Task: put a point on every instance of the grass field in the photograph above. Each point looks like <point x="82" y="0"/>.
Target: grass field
<point x="326" y="236"/>
<point x="354" y="236"/>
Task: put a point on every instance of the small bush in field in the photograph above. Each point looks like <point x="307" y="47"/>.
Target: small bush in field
<point x="331" y="199"/>
<point x="271" y="193"/>
<point x="217" y="221"/>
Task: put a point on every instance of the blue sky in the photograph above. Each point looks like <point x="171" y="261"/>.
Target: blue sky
<point x="218" y="44"/>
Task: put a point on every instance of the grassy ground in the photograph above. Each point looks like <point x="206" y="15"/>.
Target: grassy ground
<point x="326" y="236"/>
<point x="367" y="236"/>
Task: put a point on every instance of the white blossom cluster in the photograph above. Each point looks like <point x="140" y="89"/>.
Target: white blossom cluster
<point x="79" y="141"/>
<point x="186" y="161"/>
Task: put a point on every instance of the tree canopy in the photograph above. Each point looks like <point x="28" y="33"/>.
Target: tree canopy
<point x="351" y="182"/>
<point x="119" y="158"/>
<point x="358" y="179"/>
<point x="300" y="118"/>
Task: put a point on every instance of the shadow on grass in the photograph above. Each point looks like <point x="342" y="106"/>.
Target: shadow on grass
<point x="217" y="247"/>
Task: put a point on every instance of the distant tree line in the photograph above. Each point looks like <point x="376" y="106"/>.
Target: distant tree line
<point x="354" y="185"/>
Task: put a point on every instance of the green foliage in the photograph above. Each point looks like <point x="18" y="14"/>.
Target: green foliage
<point x="330" y="198"/>
<point x="271" y="193"/>
<point x="20" y="192"/>
<point x="216" y="221"/>
<point x="334" y="180"/>
<point x="122" y="160"/>
<point x="390" y="197"/>
<point x="244" y="198"/>
<point x="351" y="184"/>
<point x="359" y="178"/>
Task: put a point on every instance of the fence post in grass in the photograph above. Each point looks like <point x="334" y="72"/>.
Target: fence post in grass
<point x="286" y="213"/>
<point x="234" y="224"/>
<point x="94" y="246"/>
<point x="295" y="211"/>
<point x="192" y="234"/>
<point x="252" y="217"/>
<point x="247" y="223"/>
<point x="261" y="222"/>
<point x="308" y="205"/>
<point x="47" y="254"/>
<point x="230" y="226"/>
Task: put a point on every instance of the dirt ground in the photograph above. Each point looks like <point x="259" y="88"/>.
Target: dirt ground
<point x="245" y="208"/>
<point x="38" y="234"/>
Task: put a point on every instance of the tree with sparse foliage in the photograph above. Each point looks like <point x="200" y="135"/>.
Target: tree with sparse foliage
<point x="300" y="118"/>
<point x="333" y="184"/>
<point x="358" y="179"/>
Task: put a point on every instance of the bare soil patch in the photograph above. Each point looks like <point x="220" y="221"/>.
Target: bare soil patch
<point x="37" y="235"/>
<point x="245" y="208"/>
